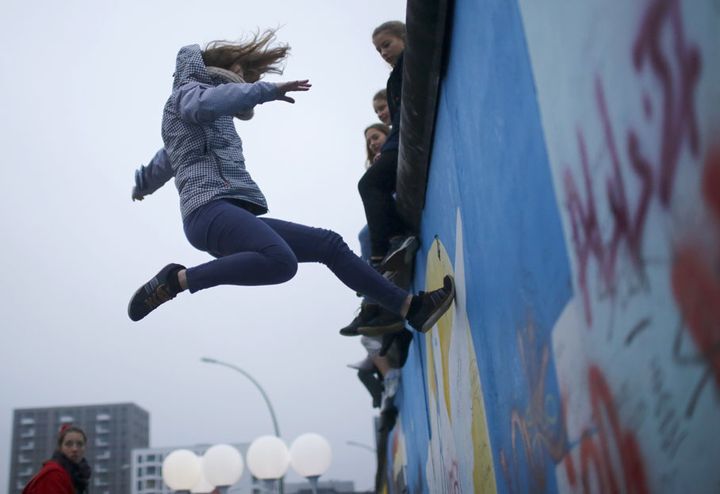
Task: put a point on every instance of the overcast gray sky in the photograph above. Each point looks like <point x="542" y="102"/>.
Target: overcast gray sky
<point x="84" y="84"/>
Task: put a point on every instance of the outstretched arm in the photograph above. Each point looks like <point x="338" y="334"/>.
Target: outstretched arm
<point x="199" y="103"/>
<point x="151" y="177"/>
<point x="286" y="87"/>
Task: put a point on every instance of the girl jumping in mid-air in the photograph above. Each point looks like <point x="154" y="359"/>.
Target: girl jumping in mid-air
<point x="221" y="204"/>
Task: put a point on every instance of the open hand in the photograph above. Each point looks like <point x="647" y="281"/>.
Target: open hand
<point x="286" y="87"/>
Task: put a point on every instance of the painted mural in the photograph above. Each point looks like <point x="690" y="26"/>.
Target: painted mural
<point x="458" y="431"/>
<point x="574" y="192"/>
<point x="634" y="168"/>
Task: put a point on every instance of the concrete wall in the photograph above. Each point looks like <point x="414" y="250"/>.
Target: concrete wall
<point x="574" y="192"/>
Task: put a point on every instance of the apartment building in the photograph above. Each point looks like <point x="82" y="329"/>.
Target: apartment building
<point x="113" y="431"/>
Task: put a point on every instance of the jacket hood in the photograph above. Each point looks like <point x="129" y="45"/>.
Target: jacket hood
<point x="189" y="67"/>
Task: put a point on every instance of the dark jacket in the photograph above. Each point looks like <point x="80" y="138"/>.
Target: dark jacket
<point x="394" y="96"/>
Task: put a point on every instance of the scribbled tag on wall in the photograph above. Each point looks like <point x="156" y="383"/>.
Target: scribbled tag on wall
<point x="629" y="95"/>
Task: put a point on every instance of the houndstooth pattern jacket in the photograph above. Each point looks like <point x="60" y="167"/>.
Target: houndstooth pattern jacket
<point x="202" y="148"/>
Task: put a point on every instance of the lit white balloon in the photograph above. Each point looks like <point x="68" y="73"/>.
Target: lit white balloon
<point x="310" y="455"/>
<point x="268" y="458"/>
<point x="181" y="470"/>
<point x="202" y="486"/>
<point x="223" y="465"/>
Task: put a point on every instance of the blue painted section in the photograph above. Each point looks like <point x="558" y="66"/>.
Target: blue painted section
<point x="412" y="398"/>
<point x="489" y="161"/>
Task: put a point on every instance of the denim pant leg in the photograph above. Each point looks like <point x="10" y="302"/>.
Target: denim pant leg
<point x="248" y="251"/>
<point x="325" y="246"/>
<point x="364" y="239"/>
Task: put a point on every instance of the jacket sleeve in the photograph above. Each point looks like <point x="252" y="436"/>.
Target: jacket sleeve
<point x="200" y="103"/>
<point x="50" y="482"/>
<point x="154" y="175"/>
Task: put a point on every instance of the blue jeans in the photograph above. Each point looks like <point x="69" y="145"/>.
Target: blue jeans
<point x="263" y="251"/>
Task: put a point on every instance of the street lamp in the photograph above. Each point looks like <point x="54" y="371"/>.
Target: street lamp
<point x="268" y="458"/>
<point x="310" y="457"/>
<point x="208" y="360"/>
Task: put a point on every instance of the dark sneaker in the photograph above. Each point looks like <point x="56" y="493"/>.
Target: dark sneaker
<point x="162" y="287"/>
<point x="401" y="253"/>
<point x="367" y="312"/>
<point x="433" y="305"/>
<point x="384" y="322"/>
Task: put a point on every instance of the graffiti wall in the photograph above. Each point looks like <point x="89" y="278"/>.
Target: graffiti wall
<point x="574" y="193"/>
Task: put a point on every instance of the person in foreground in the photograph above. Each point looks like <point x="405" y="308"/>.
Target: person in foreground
<point x="67" y="472"/>
<point x="221" y="204"/>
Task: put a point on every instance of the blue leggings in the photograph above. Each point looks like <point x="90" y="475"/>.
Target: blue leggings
<point x="263" y="251"/>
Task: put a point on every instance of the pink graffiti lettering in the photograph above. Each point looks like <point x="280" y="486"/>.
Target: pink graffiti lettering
<point x="678" y="121"/>
<point x="678" y="126"/>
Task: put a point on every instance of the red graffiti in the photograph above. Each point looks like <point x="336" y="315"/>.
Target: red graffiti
<point x="628" y="223"/>
<point x="610" y="458"/>
<point x="711" y="183"/>
<point x="678" y="74"/>
<point x="678" y="121"/>
<point x="696" y="275"/>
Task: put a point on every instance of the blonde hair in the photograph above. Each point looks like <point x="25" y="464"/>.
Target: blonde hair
<point x="256" y="56"/>
<point x="380" y="95"/>
<point x="395" y="28"/>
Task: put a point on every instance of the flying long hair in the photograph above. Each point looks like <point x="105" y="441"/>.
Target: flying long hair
<point x="257" y="55"/>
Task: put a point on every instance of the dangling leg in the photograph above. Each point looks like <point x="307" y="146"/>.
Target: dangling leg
<point x="376" y="188"/>
<point x="325" y="246"/>
<point x="248" y="253"/>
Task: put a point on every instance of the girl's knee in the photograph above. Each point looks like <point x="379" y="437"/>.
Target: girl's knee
<point x="284" y="266"/>
<point x="287" y="271"/>
<point x="333" y="239"/>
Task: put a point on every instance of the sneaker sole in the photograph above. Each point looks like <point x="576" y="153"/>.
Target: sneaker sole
<point x="435" y="316"/>
<point x="141" y="293"/>
<point x="349" y="332"/>
<point x="134" y="316"/>
<point x="402" y="256"/>
<point x="381" y="330"/>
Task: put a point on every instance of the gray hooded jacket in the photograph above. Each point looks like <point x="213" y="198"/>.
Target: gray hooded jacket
<point x="202" y="148"/>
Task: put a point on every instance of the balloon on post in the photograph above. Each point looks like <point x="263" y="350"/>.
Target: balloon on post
<point x="222" y="465"/>
<point x="268" y="458"/>
<point x="310" y="456"/>
<point x="203" y="486"/>
<point x="181" y="470"/>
